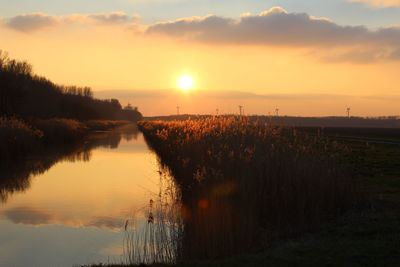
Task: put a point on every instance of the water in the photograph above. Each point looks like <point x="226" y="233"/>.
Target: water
<point x="74" y="210"/>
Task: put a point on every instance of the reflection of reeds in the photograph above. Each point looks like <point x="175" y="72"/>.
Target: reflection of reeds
<point x="244" y="183"/>
<point x="157" y="238"/>
<point x="105" y="125"/>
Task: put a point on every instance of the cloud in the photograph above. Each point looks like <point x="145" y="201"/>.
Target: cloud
<point x="28" y="216"/>
<point x="38" y="21"/>
<point x="273" y="27"/>
<point x="31" y="22"/>
<point x="277" y="27"/>
<point x="379" y="3"/>
<point x="114" y="18"/>
<point x="361" y="56"/>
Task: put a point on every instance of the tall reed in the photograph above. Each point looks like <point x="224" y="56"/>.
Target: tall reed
<point x="157" y="238"/>
<point x="245" y="183"/>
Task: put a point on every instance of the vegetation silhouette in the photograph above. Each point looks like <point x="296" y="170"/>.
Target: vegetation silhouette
<point x="245" y="184"/>
<point x="26" y="95"/>
<point x="16" y="175"/>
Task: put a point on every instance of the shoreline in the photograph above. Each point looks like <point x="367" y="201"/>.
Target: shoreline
<point x="23" y="138"/>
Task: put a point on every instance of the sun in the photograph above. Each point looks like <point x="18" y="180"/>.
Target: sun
<point x="185" y="82"/>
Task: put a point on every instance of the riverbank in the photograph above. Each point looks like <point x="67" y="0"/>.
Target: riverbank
<point x="19" y="138"/>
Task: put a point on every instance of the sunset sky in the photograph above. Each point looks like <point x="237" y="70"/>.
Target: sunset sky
<point x="305" y="57"/>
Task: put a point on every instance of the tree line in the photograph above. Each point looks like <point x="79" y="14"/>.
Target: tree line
<point x="27" y="95"/>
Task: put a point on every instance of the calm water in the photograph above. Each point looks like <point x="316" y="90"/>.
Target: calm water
<point x="74" y="209"/>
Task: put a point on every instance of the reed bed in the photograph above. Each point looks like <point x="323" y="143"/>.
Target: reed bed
<point x="17" y="137"/>
<point x="247" y="183"/>
<point x="61" y="130"/>
<point x="20" y="138"/>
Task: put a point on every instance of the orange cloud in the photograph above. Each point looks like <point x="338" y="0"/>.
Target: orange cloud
<point x="32" y="22"/>
<point x="39" y="21"/>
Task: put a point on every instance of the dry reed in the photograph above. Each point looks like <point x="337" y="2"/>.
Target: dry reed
<point x="244" y="182"/>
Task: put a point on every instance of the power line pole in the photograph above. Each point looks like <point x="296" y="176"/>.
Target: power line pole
<point x="240" y="110"/>
<point x="177" y="110"/>
<point x="217" y="110"/>
<point x="348" y="112"/>
<point x="277" y="112"/>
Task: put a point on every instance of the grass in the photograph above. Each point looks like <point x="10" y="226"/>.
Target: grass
<point x="379" y="134"/>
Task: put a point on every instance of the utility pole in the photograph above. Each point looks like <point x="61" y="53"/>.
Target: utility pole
<point x="348" y="112"/>
<point x="217" y="110"/>
<point x="177" y="110"/>
<point x="240" y="110"/>
<point x="277" y="112"/>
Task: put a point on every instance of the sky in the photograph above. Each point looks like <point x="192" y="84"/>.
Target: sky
<point x="307" y="58"/>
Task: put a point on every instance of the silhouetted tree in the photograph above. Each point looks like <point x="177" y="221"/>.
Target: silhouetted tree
<point x="26" y="95"/>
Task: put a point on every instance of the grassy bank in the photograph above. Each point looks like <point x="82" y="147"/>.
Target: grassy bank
<point x="20" y="138"/>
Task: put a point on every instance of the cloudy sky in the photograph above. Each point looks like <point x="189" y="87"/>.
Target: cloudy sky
<point x="305" y="57"/>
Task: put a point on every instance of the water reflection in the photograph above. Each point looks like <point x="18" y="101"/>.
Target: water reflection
<point x="16" y="175"/>
<point x="28" y="216"/>
<point x="68" y="205"/>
